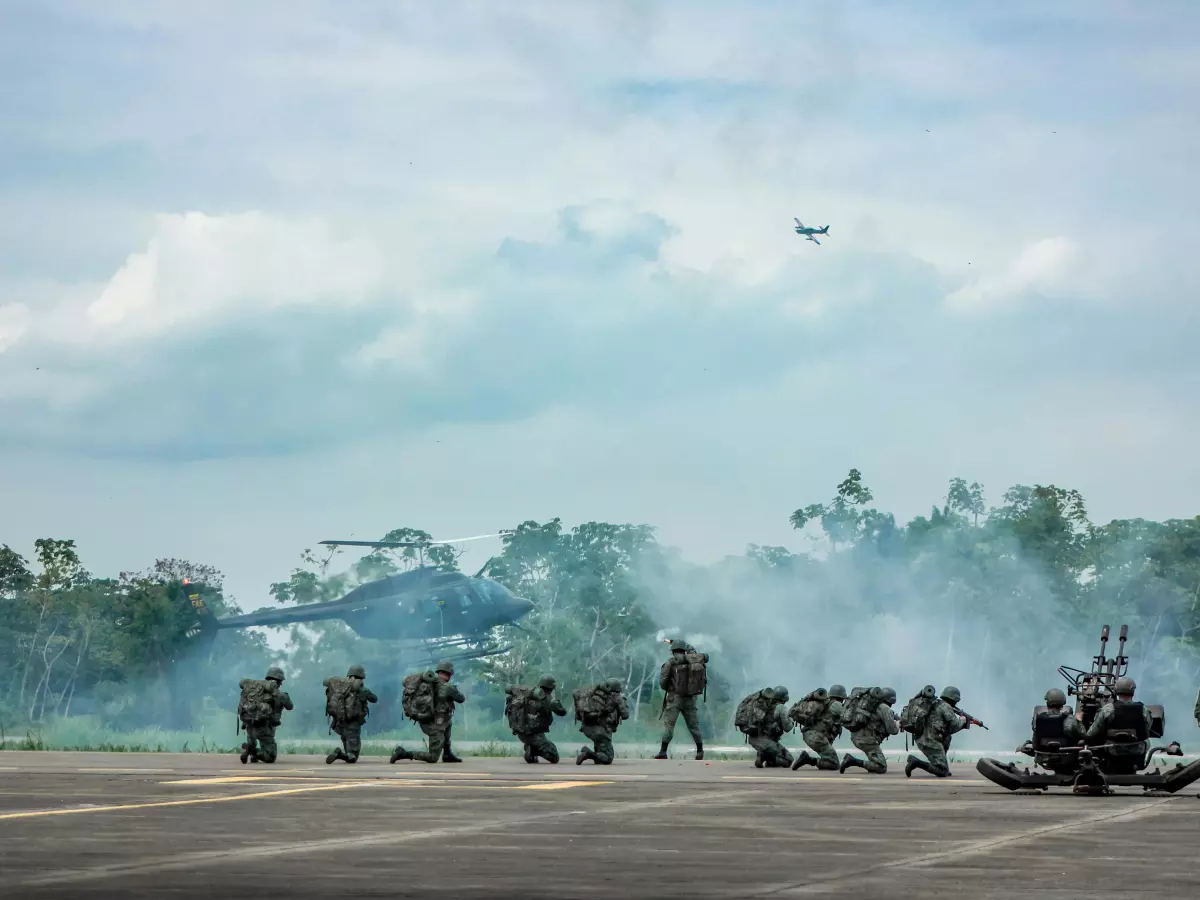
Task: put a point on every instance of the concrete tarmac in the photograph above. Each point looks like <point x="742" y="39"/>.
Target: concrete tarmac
<point x="92" y="825"/>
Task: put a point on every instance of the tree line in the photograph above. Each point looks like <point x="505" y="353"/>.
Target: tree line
<point x="987" y="595"/>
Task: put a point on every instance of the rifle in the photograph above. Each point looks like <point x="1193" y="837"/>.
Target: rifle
<point x="971" y="720"/>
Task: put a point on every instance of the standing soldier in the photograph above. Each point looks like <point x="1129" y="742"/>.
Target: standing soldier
<point x="943" y="721"/>
<point x="530" y="714"/>
<point x="429" y="700"/>
<point x="347" y="705"/>
<point x="600" y="709"/>
<point x="869" y="718"/>
<point x="260" y="711"/>
<point x="1124" y="726"/>
<point x="684" y="677"/>
<point x="819" y="716"/>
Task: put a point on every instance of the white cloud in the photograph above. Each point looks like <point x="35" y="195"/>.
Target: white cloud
<point x="380" y="154"/>
<point x="198" y="266"/>
<point x="14" y="322"/>
<point x="1043" y="266"/>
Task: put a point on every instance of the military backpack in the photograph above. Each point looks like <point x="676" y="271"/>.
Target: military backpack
<point x="343" y="701"/>
<point x="808" y="711"/>
<point x="257" y="703"/>
<point x="687" y="678"/>
<point x="752" y="713"/>
<point x="860" y="707"/>
<point x="916" y="711"/>
<point x="522" y="710"/>
<point x="419" y="699"/>
<point x="592" y="704"/>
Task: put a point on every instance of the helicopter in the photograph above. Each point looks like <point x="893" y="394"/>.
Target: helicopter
<point x="446" y="613"/>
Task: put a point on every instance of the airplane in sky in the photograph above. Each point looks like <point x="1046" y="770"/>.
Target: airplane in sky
<point x="803" y="229"/>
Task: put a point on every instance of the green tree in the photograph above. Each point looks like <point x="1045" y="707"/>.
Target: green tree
<point x="844" y="517"/>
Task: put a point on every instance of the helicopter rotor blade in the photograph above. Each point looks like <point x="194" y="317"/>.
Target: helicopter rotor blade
<point x="390" y="544"/>
<point x="376" y="543"/>
<point x="477" y="537"/>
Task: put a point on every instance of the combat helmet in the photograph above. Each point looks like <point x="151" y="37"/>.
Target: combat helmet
<point x="837" y="692"/>
<point x="613" y="685"/>
<point x="275" y="673"/>
<point x="548" y="683"/>
<point x="356" y="672"/>
<point x="888" y="695"/>
<point x="951" y="694"/>
<point x="1124" y="685"/>
<point x="445" y="666"/>
<point x="1055" y="698"/>
<point x="780" y="692"/>
<point x="678" y="645"/>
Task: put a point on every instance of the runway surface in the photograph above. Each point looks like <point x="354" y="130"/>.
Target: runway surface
<point x="199" y="826"/>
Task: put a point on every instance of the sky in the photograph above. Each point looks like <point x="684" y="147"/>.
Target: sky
<point x="273" y="273"/>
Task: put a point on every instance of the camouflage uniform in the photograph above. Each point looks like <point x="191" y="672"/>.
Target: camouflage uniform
<point x="1073" y="732"/>
<point x="881" y="725"/>
<point x="260" y="743"/>
<point x="820" y="737"/>
<point x="600" y="734"/>
<point x="675" y="705"/>
<point x="770" y="752"/>
<point x="943" y="721"/>
<point x="350" y="730"/>
<point x="1122" y="713"/>
<point x="437" y="732"/>
<point x="536" y="743"/>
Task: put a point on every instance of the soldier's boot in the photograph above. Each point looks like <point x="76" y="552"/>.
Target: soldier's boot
<point x="400" y="753"/>
<point x="245" y="753"/>
<point x="662" y="753"/>
<point x="530" y="756"/>
<point x="335" y="756"/>
<point x="803" y="760"/>
<point x="448" y="757"/>
<point x="914" y="763"/>
<point x="699" y="751"/>
<point x="849" y="762"/>
<point x="758" y="760"/>
<point x="585" y="753"/>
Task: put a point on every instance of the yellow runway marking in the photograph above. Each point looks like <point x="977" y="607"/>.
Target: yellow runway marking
<point x="161" y="803"/>
<point x="492" y="785"/>
<point x="231" y="779"/>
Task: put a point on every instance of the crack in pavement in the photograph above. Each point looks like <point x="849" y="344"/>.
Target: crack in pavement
<point x="821" y="884"/>
<point x="199" y="859"/>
